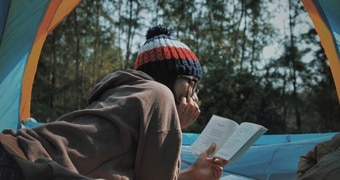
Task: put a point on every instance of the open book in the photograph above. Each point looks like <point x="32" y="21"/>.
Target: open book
<point x="232" y="139"/>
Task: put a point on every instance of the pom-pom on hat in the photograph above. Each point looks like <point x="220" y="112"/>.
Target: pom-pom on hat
<point x="163" y="57"/>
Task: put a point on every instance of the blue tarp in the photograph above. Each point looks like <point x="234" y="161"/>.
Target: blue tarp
<point x="271" y="157"/>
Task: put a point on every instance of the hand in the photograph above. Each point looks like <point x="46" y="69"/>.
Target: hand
<point x="210" y="168"/>
<point x="205" y="167"/>
<point x="188" y="111"/>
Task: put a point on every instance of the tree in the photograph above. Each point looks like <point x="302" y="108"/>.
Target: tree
<point x="285" y="93"/>
<point x="72" y="61"/>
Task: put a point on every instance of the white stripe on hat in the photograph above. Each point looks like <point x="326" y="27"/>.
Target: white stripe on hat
<point x="162" y="42"/>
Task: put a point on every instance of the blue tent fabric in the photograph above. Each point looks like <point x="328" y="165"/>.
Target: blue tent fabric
<point x="3" y="15"/>
<point x="30" y="123"/>
<point x="330" y="13"/>
<point x="19" y="26"/>
<point x="271" y="157"/>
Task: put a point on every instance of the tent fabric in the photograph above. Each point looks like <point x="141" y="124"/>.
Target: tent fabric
<point x="24" y="26"/>
<point x="3" y="15"/>
<point x="325" y="16"/>
<point x="271" y="157"/>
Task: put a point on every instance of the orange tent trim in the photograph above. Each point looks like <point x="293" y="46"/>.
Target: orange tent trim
<point x="56" y="12"/>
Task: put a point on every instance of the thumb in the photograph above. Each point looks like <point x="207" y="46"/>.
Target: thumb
<point x="211" y="149"/>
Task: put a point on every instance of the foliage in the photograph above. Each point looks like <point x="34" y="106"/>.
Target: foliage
<point x="285" y="92"/>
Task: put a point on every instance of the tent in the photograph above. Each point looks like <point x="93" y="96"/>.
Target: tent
<point x="29" y="22"/>
<point x="324" y="15"/>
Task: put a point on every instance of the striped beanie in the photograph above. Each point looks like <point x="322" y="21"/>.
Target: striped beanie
<point x="163" y="57"/>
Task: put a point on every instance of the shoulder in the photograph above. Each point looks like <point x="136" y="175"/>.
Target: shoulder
<point x="159" y="90"/>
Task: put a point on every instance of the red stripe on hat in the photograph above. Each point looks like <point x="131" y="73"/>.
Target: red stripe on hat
<point x="167" y="52"/>
<point x="159" y="53"/>
<point x="173" y="53"/>
<point x="164" y="53"/>
<point x="181" y="53"/>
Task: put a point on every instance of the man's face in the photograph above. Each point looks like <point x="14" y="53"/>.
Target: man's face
<point x="186" y="86"/>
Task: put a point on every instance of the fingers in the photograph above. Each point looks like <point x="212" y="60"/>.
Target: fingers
<point x="195" y="97"/>
<point x="217" y="166"/>
<point x="188" y="111"/>
<point x="215" y="160"/>
<point x="182" y="105"/>
<point x="218" y="162"/>
<point x="224" y="162"/>
<point x="191" y="109"/>
<point x="186" y="102"/>
<point x="189" y="92"/>
<point x="209" y="168"/>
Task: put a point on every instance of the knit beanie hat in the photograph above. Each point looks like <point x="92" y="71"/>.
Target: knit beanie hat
<point x="163" y="57"/>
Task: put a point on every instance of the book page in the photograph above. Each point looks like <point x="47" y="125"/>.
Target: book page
<point x="217" y="130"/>
<point x="240" y="140"/>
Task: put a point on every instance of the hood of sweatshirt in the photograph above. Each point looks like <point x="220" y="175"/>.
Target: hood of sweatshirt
<point x="116" y="79"/>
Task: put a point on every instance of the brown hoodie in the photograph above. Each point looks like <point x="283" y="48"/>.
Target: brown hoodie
<point x="321" y="162"/>
<point x="130" y="130"/>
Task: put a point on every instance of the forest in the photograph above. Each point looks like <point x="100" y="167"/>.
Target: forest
<point x="262" y="61"/>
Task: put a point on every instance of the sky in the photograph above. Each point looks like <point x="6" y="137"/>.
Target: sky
<point x="281" y="22"/>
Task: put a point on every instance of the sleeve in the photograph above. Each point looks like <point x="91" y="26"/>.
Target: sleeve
<point x="306" y="162"/>
<point x="312" y="158"/>
<point x="328" y="167"/>
<point x="46" y="169"/>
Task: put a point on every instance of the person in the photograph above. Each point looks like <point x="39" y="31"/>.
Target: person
<point x="322" y="161"/>
<point x="131" y="128"/>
